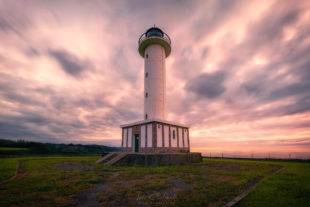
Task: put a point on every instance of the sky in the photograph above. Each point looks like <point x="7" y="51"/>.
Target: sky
<point x="238" y="73"/>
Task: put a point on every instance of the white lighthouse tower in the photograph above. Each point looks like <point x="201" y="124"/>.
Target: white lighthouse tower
<point x="154" y="47"/>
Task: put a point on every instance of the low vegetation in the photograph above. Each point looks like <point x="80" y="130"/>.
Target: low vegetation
<point x="9" y="148"/>
<point x="5" y="149"/>
<point x="71" y="181"/>
<point x="7" y="168"/>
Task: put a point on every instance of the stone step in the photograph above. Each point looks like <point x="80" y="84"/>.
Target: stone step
<point x="116" y="159"/>
<point x="108" y="157"/>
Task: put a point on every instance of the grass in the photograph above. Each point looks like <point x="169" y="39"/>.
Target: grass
<point x="13" y="149"/>
<point x="289" y="187"/>
<point x="62" y="181"/>
<point x="4" y="151"/>
<point x="41" y="184"/>
<point x="7" y="168"/>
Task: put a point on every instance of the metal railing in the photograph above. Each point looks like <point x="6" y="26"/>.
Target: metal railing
<point x="144" y="37"/>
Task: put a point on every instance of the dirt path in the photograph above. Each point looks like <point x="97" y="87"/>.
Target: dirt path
<point x="18" y="166"/>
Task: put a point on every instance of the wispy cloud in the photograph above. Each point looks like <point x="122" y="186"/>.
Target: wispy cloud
<point x="69" y="63"/>
<point x="207" y="85"/>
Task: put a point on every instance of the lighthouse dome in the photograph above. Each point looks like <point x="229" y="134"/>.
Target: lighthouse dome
<point x="154" y="31"/>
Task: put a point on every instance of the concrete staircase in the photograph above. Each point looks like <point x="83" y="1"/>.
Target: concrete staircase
<point x="115" y="159"/>
<point x="107" y="157"/>
<point x="111" y="158"/>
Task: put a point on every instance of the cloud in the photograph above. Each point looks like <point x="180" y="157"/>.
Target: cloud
<point x="218" y="13"/>
<point x="301" y="105"/>
<point x="207" y="85"/>
<point x="20" y="131"/>
<point x="69" y="63"/>
<point x="238" y="71"/>
<point x="290" y="90"/>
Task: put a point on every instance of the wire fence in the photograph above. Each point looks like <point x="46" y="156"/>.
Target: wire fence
<point x="259" y="155"/>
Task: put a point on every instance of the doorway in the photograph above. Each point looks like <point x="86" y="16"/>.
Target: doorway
<point x="136" y="142"/>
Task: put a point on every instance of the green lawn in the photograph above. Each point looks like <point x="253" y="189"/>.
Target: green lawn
<point x="7" y="168"/>
<point x="13" y="151"/>
<point x="63" y="181"/>
<point x="289" y="187"/>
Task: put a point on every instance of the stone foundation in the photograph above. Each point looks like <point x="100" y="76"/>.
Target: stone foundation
<point x="158" y="150"/>
<point x="157" y="159"/>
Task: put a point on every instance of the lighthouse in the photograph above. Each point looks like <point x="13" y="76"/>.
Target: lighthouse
<point x="154" y="133"/>
<point x="154" y="47"/>
<point x="154" y="140"/>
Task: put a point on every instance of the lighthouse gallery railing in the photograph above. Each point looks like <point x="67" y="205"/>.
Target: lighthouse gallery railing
<point x="144" y="37"/>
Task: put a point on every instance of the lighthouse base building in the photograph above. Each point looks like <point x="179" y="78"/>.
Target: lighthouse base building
<point x="155" y="136"/>
<point x="155" y="142"/>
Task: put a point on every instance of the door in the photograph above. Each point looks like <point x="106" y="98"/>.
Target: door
<point x="136" y="142"/>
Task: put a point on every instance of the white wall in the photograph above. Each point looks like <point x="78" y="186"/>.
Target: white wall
<point x="129" y="137"/>
<point x="149" y="135"/>
<point x="166" y="136"/>
<point x="124" y="137"/>
<point x="185" y="138"/>
<point x="159" y="135"/>
<point x="174" y="142"/>
<point x="180" y="137"/>
<point x="143" y="136"/>
<point x="155" y="82"/>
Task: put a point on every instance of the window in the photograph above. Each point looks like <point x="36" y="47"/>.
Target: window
<point x="154" y="32"/>
<point x="173" y="134"/>
<point x="146" y="95"/>
<point x="146" y="74"/>
<point x="145" y="116"/>
<point x="147" y="55"/>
